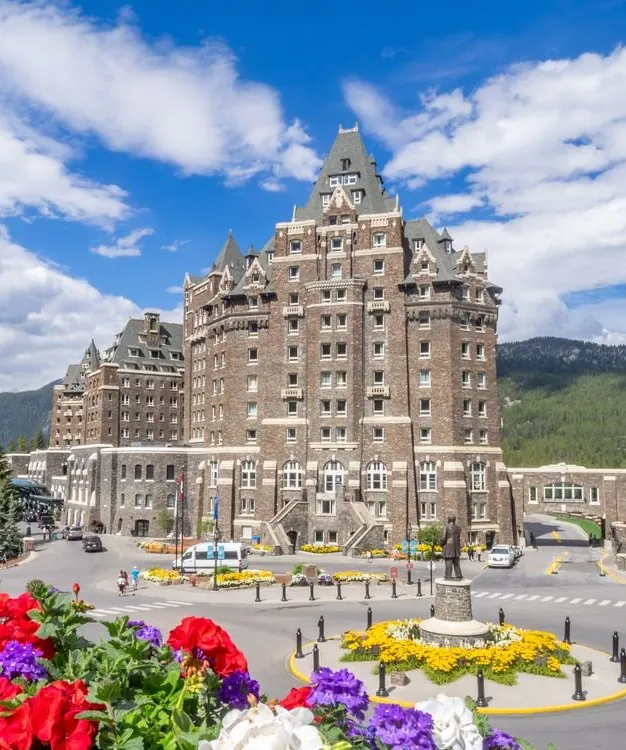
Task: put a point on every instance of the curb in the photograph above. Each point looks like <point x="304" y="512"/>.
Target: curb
<point x="560" y="708"/>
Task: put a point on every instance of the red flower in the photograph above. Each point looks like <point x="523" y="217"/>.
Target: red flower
<point x="214" y="642"/>
<point x="16" y="625"/>
<point x="18" y="606"/>
<point x="76" y="588"/>
<point x="15" y="729"/>
<point x="8" y="690"/>
<point x="53" y="716"/>
<point x="296" y="698"/>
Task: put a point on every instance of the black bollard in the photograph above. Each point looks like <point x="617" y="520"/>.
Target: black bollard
<point x="382" y="689"/>
<point x="283" y="598"/>
<point x="321" y="638"/>
<point x="339" y="597"/>
<point x="394" y="593"/>
<point x="622" y="664"/>
<point x="419" y="587"/>
<point x="312" y="590"/>
<point x="615" y="656"/>
<point x="367" y="590"/>
<point x="299" y="654"/>
<point x="409" y="578"/>
<point x="578" y="684"/>
<point x="316" y="658"/>
<point x="257" y="598"/>
<point x="567" y="637"/>
<point x="501" y="616"/>
<point x="369" y="618"/>
<point x="432" y="610"/>
<point x="481" y="701"/>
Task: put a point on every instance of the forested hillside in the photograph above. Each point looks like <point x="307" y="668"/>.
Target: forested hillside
<point x="26" y="414"/>
<point x="563" y="400"/>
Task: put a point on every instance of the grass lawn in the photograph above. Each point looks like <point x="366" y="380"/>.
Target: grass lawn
<point x="590" y="527"/>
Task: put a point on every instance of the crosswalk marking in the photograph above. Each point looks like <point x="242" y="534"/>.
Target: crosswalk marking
<point x="519" y="597"/>
<point x="547" y="598"/>
<point x="129" y="609"/>
<point x="560" y="599"/>
<point x="180" y="604"/>
<point x="589" y="601"/>
<point x="604" y="602"/>
<point x="533" y="598"/>
<point x="506" y="596"/>
<point x="480" y="593"/>
<point x="494" y="596"/>
<point x="619" y="604"/>
<point x="575" y="601"/>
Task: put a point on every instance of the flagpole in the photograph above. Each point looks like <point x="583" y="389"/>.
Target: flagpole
<point x="181" y="512"/>
<point x="176" y="560"/>
<point x="215" y="539"/>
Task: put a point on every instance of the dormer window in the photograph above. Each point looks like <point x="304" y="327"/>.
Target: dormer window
<point x="357" y="195"/>
<point x="349" y="179"/>
<point x="335" y="180"/>
<point x="465" y="293"/>
<point x="270" y="258"/>
<point x="295" y="247"/>
<point x="325" y="200"/>
<point x="345" y="218"/>
<point x="255" y="278"/>
<point x="345" y="164"/>
<point x="447" y="246"/>
<point x="133" y="352"/>
<point x="425" y="266"/>
<point x="418" y="244"/>
<point x="253" y="302"/>
<point x="332" y="220"/>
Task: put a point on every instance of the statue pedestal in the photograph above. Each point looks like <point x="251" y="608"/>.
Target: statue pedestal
<point x="453" y="623"/>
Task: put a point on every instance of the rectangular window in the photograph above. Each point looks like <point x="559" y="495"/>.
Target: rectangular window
<point x="332" y="537"/>
<point x="294" y="273"/>
<point x="341" y="379"/>
<point x="293" y="325"/>
<point x="252" y="409"/>
<point x="467" y="407"/>
<point x="325" y="200"/>
<point x="465" y="350"/>
<point x="342" y="350"/>
<point x="482" y="408"/>
<point x="319" y="535"/>
<point x="424" y="291"/>
<point x="122" y="500"/>
<point x="342" y="322"/>
<point x="480" y="351"/>
<point x="253" y="355"/>
<point x="252" y="383"/>
<point x="481" y="380"/>
<point x="293" y="298"/>
<point x="336" y="244"/>
<point x="425" y="435"/>
<point x="378" y="406"/>
<point x="138" y="499"/>
<point x="379" y="377"/>
<point x="291" y="434"/>
<point x="378" y="350"/>
<point x="123" y="471"/>
<point x="253" y="302"/>
<point x="379" y="434"/>
<point x="468" y="436"/>
<point x="379" y="322"/>
<point x="342" y="295"/>
<point x="325" y="351"/>
<point x="594" y="495"/>
<point x="250" y="436"/>
<point x="325" y="322"/>
<point x="342" y="408"/>
<point x="465" y="293"/>
<point x="325" y="379"/>
<point x="466" y="379"/>
<point x="325" y="507"/>
<point x="341" y="434"/>
<point x="379" y="267"/>
<point x="292" y="408"/>
<point x="326" y="295"/>
<point x="379" y="292"/>
<point x="379" y="240"/>
<point x="295" y="247"/>
<point x="483" y="437"/>
<point x="325" y="434"/>
<point x="336" y="271"/>
<point x="148" y="503"/>
<point x="423" y="320"/>
<point x="292" y="353"/>
<point x="253" y="328"/>
<point x="532" y="495"/>
<point x="465" y="321"/>
<point x="480" y="296"/>
<point x="171" y="501"/>
<point x="425" y="379"/>
<point x="356" y="197"/>
<point x="424" y="349"/>
<point x="325" y="409"/>
<point x="292" y="380"/>
<point x="424" y="407"/>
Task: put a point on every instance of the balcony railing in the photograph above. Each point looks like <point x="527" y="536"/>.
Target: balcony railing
<point x="377" y="391"/>
<point x="291" y="310"/>
<point x="290" y="393"/>
<point x="378" y="305"/>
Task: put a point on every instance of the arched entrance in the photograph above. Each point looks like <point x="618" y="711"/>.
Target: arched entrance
<point x="119" y="525"/>
<point x="292" y="535"/>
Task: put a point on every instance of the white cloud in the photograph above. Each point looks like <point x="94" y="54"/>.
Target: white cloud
<point x="175" y="246"/>
<point x="34" y="175"/>
<point x="186" y="106"/>
<point x="174" y="290"/>
<point x="542" y="149"/>
<point x="124" y="247"/>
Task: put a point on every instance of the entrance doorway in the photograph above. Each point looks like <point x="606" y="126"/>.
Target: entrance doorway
<point x="292" y="535"/>
<point x="141" y="527"/>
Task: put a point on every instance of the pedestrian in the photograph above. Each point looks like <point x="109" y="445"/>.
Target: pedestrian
<point x="121" y="583"/>
<point x="470" y="552"/>
<point x="368" y="554"/>
<point x="479" y="551"/>
<point x="134" y="574"/>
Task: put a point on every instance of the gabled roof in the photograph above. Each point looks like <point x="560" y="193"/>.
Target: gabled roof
<point x="348" y="145"/>
<point x="74" y="380"/>
<point x="263" y="260"/>
<point x="230" y="255"/>
<point x="91" y="358"/>
<point x="132" y="337"/>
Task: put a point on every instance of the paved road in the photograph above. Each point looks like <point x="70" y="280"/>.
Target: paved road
<point x="266" y="631"/>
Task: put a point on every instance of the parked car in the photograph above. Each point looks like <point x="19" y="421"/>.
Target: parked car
<point x="501" y="556"/>
<point x="92" y="544"/>
<point x="74" y="534"/>
<point x="518" y="552"/>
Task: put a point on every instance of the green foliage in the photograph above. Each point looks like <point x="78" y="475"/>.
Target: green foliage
<point x="34" y="586"/>
<point x="165" y="521"/>
<point x="586" y="524"/>
<point x="25" y="413"/>
<point x="430" y="534"/>
<point x="10" y="540"/>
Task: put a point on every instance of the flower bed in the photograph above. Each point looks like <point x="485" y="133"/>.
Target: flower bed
<point x="244" y="578"/>
<point x="505" y="651"/>
<point x="357" y="576"/>
<point x="190" y="690"/>
<point x="161" y="575"/>
<point x="260" y="549"/>
<point x="320" y="549"/>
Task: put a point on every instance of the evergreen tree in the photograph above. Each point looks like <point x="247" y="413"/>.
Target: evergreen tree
<point x="12" y="447"/>
<point x="40" y="441"/>
<point x="10" y="542"/>
<point x="22" y="445"/>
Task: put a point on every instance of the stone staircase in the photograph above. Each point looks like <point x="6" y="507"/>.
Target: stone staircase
<point x="369" y="533"/>
<point x="276" y="531"/>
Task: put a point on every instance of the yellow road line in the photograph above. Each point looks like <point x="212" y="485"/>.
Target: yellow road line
<point x="556" y="564"/>
<point x="610" y="573"/>
<point x="557" y="537"/>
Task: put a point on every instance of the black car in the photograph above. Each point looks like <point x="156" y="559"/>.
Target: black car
<point x="92" y="544"/>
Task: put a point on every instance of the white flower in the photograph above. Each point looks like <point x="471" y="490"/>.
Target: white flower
<point x="453" y="724"/>
<point x="259" y="728"/>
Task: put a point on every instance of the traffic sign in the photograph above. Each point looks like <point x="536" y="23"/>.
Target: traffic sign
<point x="409" y="566"/>
<point x="405" y="546"/>
<point x="413" y="545"/>
<point x="221" y="551"/>
<point x="393" y="573"/>
<point x="210" y="551"/>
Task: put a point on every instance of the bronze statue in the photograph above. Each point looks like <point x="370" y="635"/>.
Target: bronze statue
<point x="451" y="543"/>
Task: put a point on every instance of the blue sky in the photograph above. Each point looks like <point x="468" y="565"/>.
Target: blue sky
<point x="133" y="137"/>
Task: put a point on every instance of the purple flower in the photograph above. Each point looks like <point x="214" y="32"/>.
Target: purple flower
<point x="146" y="632"/>
<point x="498" y="740"/>
<point x="236" y="688"/>
<point x="20" y="660"/>
<point x="398" y="728"/>
<point x="339" y="688"/>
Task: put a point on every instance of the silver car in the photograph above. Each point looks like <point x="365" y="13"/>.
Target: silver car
<point x="501" y="556"/>
<point x="74" y="534"/>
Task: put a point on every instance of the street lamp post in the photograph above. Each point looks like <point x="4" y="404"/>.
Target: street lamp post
<point x="431" y="563"/>
<point x="216" y="536"/>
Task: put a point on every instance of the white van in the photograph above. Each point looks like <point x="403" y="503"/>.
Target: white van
<point x="200" y="557"/>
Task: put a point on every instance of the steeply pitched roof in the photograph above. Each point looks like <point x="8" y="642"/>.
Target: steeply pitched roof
<point x="133" y="337"/>
<point x="91" y="358"/>
<point x="74" y="380"/>
<point x="348" y="145"/>
<point x="230" y="255"/>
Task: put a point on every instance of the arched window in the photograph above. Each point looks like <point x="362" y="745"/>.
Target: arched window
<point x="138" y="471"/>
<point x="248" y="474"/>
<point x="428" y="475"/>
<point x="333" y="476"/>
<point x="478" y="477"/>
<point x="376" y="476"/>
<point x="292" y="475"/>
<point x="150" y="471"/>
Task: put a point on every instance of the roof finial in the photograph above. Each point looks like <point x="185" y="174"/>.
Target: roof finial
<point x="397" y="202"/>
<point x="293" y="215"/>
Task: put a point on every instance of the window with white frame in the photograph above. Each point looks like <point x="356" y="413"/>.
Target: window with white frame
<point x="292" y="434"/>
<point x="425" y="407"/>
<point x="292" y="408"/>
<point x="563" y="491"/>
<point x="378" y="407"/>
<point x="292" y="380"/>
<point x="424" y="349"/>
<point x="428" y="510"/>
<point x="465" y="350"/>
<point x="480" y="296"/>
<point x="247" y="506"/>
<point x="252" y="383"/>
<point x="214" y="467"/>
<point x="333" y="476"/>
<point x="295" y="247"/>
<point x="376" y="476"/>
<point x="325" y="434"/>
<point x="341" y="434"/>
<point x="252" y="410"/>
<point x="253" y="355"/>
<point x="424" y="291"/>
<point x="294" y="273"/>
<point x="379" y="240"/>
<point x="325" y="507"/>
<point x="423" y="319"/>
<point x="467" y="407"/>
<point x="341" y="295"/>
<point x="336" y="271"/>
<point x="326" y="322"/>
<point x="342" y="322"/>
<point x="428" y="475"/>
<point x="480" y="351"/>
<point x="465" y="321"/>
<point x="341" y="379"/>
<point x="292" y="475"/>
<point x="342" y="350"/>
<point x="292" y="353"/>
<point x="532" y="495"/>
<point x="326" y="295"/>
<point x="253" y="302"/>
<point x="325" y="409"/>
<point x="326" y="351"/>
<point x="483" y="437"/>
<point x="478" y="476"/>
<point x="378" y="434"/>
<point x="378" y="350"/>
<point x="465" y="293"/>
<point x="425" y="379"/>
<point x="253" y="328"/>
<point x="479" y="510"/>
<point x="294" y="297"/>
<point x="481" y="380"/>
<point x="342" y="407"/>
<point x="379" y="377"/>
<point x="379" y="322"/>
<point x="356" y="196"/>
<point x="466" y="379"/>
<point x="248" y="474"/>
<point x="379" y="267"/>
<point x="325" y="200"/>
<point x="594" y="495"/>
<point x="468" y="436"/>
<point x="326" y="379"/>
<point x="336" y="244"/>
<point x="425" y="435"/>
